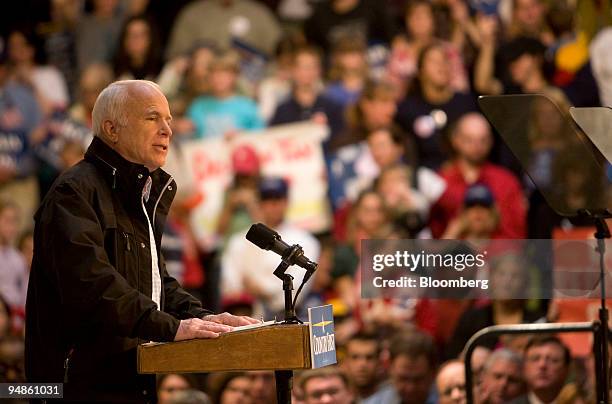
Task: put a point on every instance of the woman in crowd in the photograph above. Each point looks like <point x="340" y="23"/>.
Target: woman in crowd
<point x="139" y="53"/>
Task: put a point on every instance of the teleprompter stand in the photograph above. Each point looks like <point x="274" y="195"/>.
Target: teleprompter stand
<point x="575" y="185"/>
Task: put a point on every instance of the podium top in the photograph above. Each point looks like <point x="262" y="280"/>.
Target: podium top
<point x="564" y="165"/>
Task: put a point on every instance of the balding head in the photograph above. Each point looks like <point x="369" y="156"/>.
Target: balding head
<point x="471" y="138"/>
<point x="450" y="383"/>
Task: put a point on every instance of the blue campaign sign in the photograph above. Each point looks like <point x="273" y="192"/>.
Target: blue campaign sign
<point x="322" y="336"/>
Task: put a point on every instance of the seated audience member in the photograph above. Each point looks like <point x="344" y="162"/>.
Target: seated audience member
<point x="450" y="383"/>
<point x="471" y="141"/>
<point x="478" y="218"/>
<point x="223" y="112"/>
<point x="139" y="52"/>
<point x="326" y="385"/>
<point x="306" y="100"/>
<point x="263" y="388"/>
<point x="169" y="383"/>
<point x="545" y="369"/>
<point x="412" y="370"/>
<point x="348" y="72"/>
<point x="230" y="388"/>
<point x="432" y="105"/>
<point x="501" y="379"/>
<point x="508" y="283"/>
<point x="13" y="272"/>
<point x="362" y="363"/>
<point x="238" y="275"/>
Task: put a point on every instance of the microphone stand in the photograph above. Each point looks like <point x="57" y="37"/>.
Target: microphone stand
<point x="284" y="378"/>
<point x="600" y="345"/>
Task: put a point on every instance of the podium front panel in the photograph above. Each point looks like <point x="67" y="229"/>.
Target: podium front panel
<point x="274" y="347"/>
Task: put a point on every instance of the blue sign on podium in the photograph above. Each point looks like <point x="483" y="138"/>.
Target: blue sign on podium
<point x="322" y="336"/>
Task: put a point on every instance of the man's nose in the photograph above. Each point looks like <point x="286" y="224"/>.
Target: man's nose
<point x="165" y="128"/>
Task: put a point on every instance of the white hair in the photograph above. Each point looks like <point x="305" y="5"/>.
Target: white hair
<point x="112" y="104"/>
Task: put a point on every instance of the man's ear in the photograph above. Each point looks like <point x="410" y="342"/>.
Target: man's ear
<point x="110" y="131"/>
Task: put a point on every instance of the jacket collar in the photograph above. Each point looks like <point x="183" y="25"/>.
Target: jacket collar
<point x="119" y="172"/>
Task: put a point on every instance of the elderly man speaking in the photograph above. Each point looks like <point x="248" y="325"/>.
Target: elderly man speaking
<point x="98" y="285"/>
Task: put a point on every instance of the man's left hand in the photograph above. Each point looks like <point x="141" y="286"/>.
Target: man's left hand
<point x="230" y="319"/>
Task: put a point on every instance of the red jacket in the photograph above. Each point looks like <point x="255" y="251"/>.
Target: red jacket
<point x="506" y="189"/>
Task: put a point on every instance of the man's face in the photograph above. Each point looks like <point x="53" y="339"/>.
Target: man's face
<point x="145" y="139"/>
<point x="361" y="362"/>
<point x="473" y="141"/>
<point x="273" y="210"/>
<point x="412" y="378"/>
<point x="307" y="69"/>
<point x="237" y="391"/>
<point x="544" y="367"/>
<point x="262" y="387"/>
<point x="328" y="390"/>
<point x="502" y="382"/>
<point x="451" y="384"/>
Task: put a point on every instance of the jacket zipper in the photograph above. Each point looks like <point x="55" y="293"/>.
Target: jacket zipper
<point x="127" y="242"/>
<point x="159" y="198"/>
<point x="67" y="364"/>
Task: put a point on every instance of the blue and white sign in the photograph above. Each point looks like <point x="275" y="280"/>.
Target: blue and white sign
<point x="322" y="336"/>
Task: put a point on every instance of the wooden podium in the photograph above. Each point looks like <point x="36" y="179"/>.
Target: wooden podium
<point x="273" y="347"/>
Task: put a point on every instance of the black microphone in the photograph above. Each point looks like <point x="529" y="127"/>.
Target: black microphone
<point x="266" y="238"/>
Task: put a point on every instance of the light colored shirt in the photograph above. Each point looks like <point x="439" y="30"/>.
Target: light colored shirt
<point x="215" y="117"/>
<point x="155" y="277"/>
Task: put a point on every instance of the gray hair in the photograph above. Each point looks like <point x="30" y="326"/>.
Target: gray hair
<point x="112" y="104"/>
<point x="504" y="354"/>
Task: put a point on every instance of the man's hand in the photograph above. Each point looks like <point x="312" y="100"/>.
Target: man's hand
<point x="198" y="328"/>
<point x="230" y="319"/>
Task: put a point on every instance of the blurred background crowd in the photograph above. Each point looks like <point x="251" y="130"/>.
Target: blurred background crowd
<point x="397" y="80"/>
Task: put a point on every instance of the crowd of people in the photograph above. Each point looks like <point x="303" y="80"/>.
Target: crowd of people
<point x="396" y="86"/>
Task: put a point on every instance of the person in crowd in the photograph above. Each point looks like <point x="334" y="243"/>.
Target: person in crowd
<point x="326" y="385"/>
<point x="419" y="33"/>
<point x="529" y="19"/>
<point x="94" y="78"/>
<point x="411" y="371"/>
<point x="501" y="380"/>
<point x="230" y="388"/>
<point x="601" y="61"/>
<point x="348" y="71"/>
<point x="306" y="100"/>
<point x="241" y="206"/>
<point x="189" y="396"/>
<point x="478" y="218"/>
<point x="364" y="20"/>
<point x="432" y="106"/>
<point x="48" y="84"/>
<point x="138" y="55"/>
<point x="20" y="117"/>
<point x="263" y="389"/>
<point x="169" y="383"/>
<point x="362" y="363"/>
<point x="223" y="112"/>
<point x="237" y="273"/>
<point x="508" y="282"/>
<point x="11" y="347"/>
<point x="471" y="141"/>
<point x="450" y="383"/>
<point x="245" y="20"/>
<point x="97" y="33"/>
<point x="545" y="369"/>
<point x="276" y="87"/>
<point x="14" y="273"/>
<point x="108" y="296"/>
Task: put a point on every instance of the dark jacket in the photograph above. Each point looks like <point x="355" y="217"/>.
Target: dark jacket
<point x="89" y="298"/>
